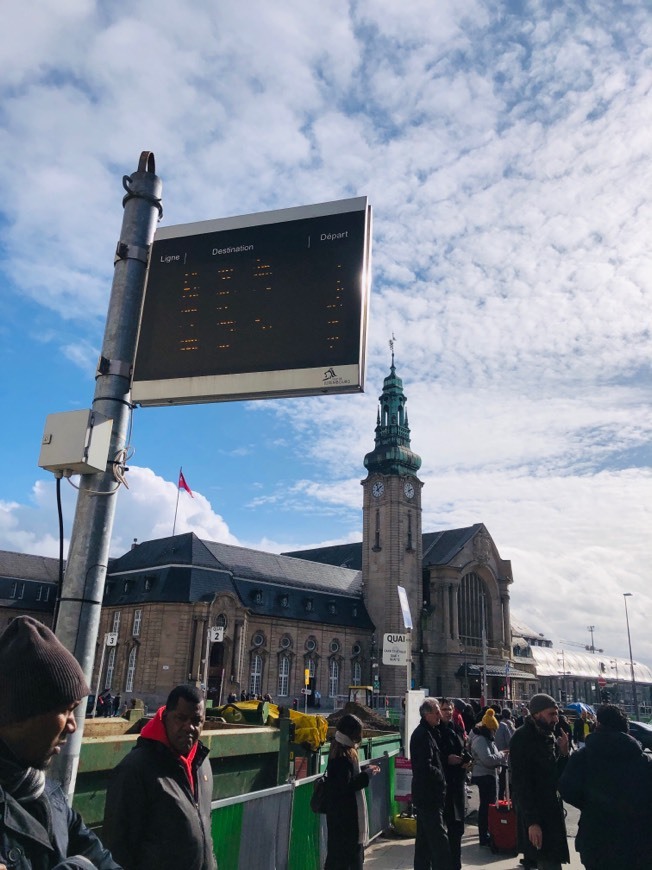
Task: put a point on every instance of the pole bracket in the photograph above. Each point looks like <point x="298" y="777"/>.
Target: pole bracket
<point x="125" y="251"/>
<point x="113" y="367"/>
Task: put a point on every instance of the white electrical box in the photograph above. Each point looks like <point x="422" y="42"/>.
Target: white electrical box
<point x="76" y="442"/>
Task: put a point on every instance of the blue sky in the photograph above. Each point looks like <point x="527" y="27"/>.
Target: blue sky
<point x="505" y="149"/>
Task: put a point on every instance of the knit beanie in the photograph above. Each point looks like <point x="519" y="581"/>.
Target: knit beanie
<point x="541" y="702"/>
<point x="489" y="719"/>
<point x="37" y="673"/>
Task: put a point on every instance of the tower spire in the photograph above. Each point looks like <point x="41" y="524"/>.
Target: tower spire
<point x="392" y="453"/>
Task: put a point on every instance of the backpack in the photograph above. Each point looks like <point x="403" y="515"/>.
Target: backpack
<point x="319" y="798"/>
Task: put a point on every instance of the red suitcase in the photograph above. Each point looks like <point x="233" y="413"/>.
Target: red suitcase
<point x="502" y="826"/>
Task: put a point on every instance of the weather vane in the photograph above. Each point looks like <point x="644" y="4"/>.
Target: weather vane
<point x="391" y="346"/>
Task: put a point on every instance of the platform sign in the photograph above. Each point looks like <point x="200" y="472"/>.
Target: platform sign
<point x="256" y="306"/>
<point x="395" y="649"/>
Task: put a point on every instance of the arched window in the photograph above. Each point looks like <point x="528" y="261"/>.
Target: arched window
<point x="131" y="670"/>
<point x="311" y="665"/>
<point x="474" y="606"/>
<point x="283" y="677"/>
<point x="256" y="676"/>
<point x="356" y="674"/>
<point x="333" y="678"/>
<point x="110" y="667"/>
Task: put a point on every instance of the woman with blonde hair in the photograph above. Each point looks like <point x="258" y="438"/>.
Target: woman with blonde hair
<point x="347" y="807"/>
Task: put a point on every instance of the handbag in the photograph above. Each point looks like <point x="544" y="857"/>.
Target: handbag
<point x="319" y="797"/>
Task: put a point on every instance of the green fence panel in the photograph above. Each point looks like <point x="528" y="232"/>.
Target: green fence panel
<point x="226" y="823"/>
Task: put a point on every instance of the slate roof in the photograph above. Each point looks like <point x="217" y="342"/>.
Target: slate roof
<point x="185" y="568"/>
<point x="28" y="582"/>
<point x="439" y="548"/>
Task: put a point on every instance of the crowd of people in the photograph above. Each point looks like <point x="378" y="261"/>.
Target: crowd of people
<point x="595" y="766"/>
<point x="158" y="802"/>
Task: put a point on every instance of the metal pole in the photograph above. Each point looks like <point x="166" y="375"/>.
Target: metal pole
<point x="83" y="587"/>
<point x="484" y="654"/>
<point x="627" y="595"/>
<point x="208" y="652"/>
<point x="409" y="659"/>
<point x="99" y="678"/>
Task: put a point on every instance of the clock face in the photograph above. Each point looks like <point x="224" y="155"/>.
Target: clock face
<point x="408" y="489"/>
<point x="378" y="489"/>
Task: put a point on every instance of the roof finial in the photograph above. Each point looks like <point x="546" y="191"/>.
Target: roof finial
<point x="391" y="347"/>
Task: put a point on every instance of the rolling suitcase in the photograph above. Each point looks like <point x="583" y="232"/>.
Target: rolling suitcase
<point x="502" y="825"/>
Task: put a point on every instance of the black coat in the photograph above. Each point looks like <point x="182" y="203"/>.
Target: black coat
<point x="342" y="815"/>
<point x="450" y="743"/>
<point x="536" y="766"/>
<point x="428" y="780"/>
<point x="610" y="781"/>
<point x="151" y="818"/>
<point x="26" y="845"/>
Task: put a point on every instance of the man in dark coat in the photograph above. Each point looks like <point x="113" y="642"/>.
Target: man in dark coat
<point x="456" y="761"/>
<point x="537" y="760"/>
<point x="431" y="848"/>
<point x="41" y="685"/>
<point x="610" y="781"/>
<point x="158" y="803"/>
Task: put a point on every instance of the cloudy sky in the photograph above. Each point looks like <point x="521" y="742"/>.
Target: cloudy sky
<point x="505" y="149"/>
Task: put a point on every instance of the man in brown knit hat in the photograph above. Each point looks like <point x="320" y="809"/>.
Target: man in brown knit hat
<point x="41" y="685"/>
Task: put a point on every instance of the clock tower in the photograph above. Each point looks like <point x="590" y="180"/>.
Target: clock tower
<point x="391" y="538"/>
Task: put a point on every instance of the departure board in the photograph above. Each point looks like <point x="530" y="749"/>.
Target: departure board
<point x="263" y="305"/>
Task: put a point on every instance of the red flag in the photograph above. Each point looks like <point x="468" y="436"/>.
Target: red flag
<point x="184" y="485"/>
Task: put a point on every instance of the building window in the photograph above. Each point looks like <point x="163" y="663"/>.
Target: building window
<point x="258" y="596"/>
<point x="332" y="608"/>
<point x="116" y="622"/>
<point x="356" y="674"/>
<point x="474" y="603"/>
<point x="409" y="534"/>
<point x="131" y="670"/>
<point x="377" y="532"/>
<point x="220" y="622"/>
<point x="311" y="667"/>
<point x="311" y="644"/>
<point x="284" y="600"/>
<point x="308" y="604"/>
<point x="356" y="649"/>
<point x="334" y="645"/>
<point x="256" y="677"/>
<point x="286" y="641"/>
<point x="258" y="639"/>
<point x="283" y="677"/>
<point x="333" y="678"/>
<point x="17" y="590"/>
<point x="110" y="668"/>
<point x="138" y="618"/>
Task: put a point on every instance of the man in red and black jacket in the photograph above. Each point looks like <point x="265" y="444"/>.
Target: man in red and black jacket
<point x="158" y="803"/>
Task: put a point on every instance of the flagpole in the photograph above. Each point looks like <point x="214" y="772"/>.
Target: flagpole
<point x="176" y="508"/>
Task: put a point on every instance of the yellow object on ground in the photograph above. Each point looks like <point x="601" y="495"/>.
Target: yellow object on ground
<point x="406" y="826"/>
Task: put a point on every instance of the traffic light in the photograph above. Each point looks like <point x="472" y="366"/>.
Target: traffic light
<point x="564" y="696"/>
<point x="605" y="695"/>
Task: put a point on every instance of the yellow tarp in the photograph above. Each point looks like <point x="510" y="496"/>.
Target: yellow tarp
<point x="309" y="729"/>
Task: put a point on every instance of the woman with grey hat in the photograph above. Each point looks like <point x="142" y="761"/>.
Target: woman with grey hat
<point x="347" y="807"/>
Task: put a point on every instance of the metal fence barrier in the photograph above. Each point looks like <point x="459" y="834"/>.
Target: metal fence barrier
<point x="275" y="829"/>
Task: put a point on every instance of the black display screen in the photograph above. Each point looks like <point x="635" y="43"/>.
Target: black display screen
<point x="277" y="296"/>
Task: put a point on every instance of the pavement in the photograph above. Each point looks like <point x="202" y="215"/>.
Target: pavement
<point x="397" y="853"/>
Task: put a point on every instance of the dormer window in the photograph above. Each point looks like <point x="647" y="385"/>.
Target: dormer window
<point x="257" y="595"/>
<point x="332" y="608"/>
<point x="308" y="604"/>
<point x="284" y="600"/>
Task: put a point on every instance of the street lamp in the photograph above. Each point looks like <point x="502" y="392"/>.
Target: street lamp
<point x="627" y="595"/>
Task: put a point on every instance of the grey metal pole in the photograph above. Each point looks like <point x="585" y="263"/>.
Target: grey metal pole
<point x="83" y="587"/>
<point x="627" y="595"/>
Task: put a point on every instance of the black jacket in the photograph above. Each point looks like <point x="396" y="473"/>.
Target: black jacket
<point x="26" y="845"/>
<point x="610" y="781"/>
<point x="450" y="743"/>
<point x="536" y="767"/>
<point x="342" y="815"/>
<point x="151" y="818"/>
<point x="428" y="780"/>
